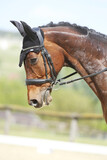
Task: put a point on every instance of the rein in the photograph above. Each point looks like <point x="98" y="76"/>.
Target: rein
<point x="77" y="79"/>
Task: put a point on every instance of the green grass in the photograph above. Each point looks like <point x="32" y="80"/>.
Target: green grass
<point x="34" y="132"/>
<point x="39" y="133"/>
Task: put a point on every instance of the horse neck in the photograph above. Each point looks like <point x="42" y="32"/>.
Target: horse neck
<point x="92" y="57"/>
<point x="85" y="54"/>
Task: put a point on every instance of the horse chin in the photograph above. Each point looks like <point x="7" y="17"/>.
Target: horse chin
<point x="47" y="97"/>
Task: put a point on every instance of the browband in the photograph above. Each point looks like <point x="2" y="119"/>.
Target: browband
<point x="35" y="49"/>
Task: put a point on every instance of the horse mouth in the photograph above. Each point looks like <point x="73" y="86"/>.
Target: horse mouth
<point x="44" y="100"/>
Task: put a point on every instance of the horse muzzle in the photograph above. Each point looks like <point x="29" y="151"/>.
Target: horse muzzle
<point x="41" y="99"/>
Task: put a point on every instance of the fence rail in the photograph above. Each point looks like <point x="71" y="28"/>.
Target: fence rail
<point x="90" y="116"/>
<point x="73" y="117"/>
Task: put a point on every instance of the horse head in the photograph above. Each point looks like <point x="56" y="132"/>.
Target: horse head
<point x="40" y="66"/>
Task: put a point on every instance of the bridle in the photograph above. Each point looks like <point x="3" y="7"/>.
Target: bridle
<point x="47" y="59"/>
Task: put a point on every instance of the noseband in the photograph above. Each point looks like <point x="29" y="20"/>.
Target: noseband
<point x="47" y="58"/>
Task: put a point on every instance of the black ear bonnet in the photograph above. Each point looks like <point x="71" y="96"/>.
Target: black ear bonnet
<point x="37" y="39"/>
<point x="33" y="39"/>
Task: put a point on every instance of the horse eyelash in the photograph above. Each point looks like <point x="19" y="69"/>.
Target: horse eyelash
<point x="33" y="61"/>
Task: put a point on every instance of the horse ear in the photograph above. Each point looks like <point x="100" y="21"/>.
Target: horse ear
<point x="19" y="26"/>
<point x="29" y="31"/>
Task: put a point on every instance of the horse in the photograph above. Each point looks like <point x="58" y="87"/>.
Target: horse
<point x="46" y="49"/>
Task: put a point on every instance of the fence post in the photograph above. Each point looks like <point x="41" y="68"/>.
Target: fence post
<point x="8" y="118"/>
<point x="74" y="129"/>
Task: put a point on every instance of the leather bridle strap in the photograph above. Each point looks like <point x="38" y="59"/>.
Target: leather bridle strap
<point x="74" y="80"/>
<point x="38" y="81"/>
<point x="43" y="81"/>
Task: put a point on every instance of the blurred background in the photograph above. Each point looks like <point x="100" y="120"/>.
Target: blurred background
<point x="75" y="114"/>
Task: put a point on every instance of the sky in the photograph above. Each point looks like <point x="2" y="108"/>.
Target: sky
<point x="89" y="13"/>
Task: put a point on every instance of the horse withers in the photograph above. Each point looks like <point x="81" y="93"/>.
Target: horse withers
<point x="48" y="48"/>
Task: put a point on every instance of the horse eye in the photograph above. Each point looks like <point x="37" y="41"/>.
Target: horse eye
<point x="33" y="61"/>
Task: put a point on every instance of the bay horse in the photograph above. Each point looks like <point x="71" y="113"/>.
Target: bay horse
<point x="47" y="49"/>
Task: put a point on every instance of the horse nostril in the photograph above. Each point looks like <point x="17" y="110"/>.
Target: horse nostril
<point x="34" y="102"/>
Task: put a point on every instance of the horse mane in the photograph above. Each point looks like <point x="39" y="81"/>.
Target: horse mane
<point x="80" y="29"/>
